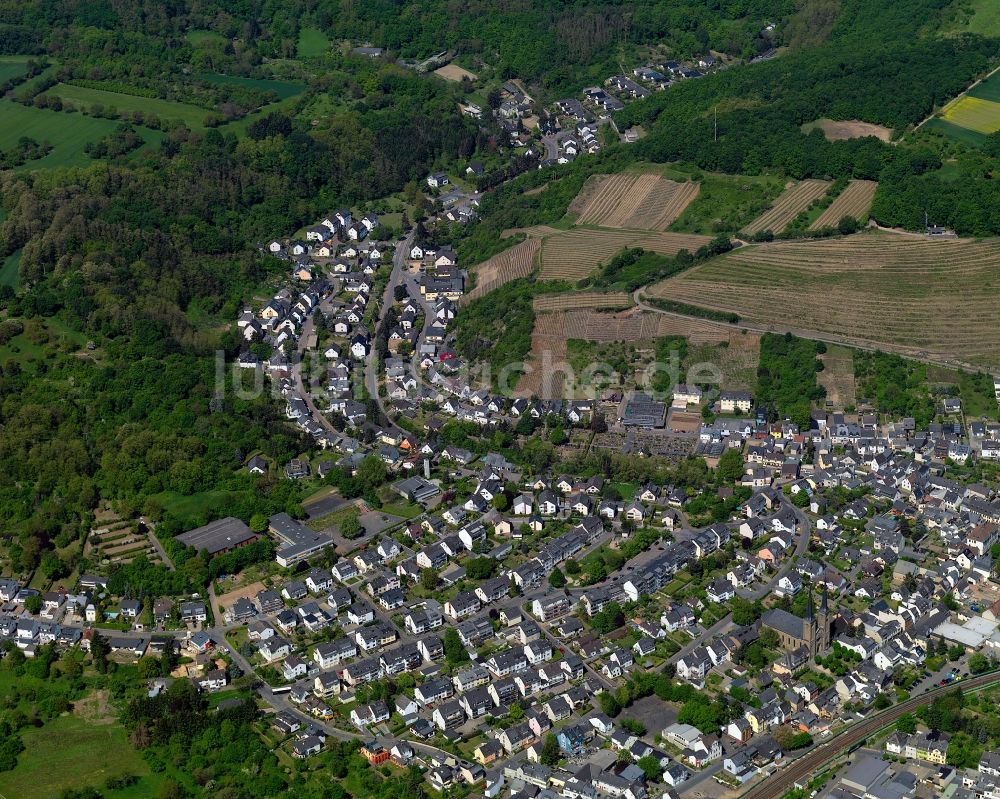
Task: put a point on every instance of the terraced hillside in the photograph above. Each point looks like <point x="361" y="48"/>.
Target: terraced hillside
<point x="586" y="299"/>
<point x="793" y="201"/>
<point x="854" y="201"/>
<point x="635" y="200"/>
<point x="575" y="254"/>
<point x="914" y="295"/>
<point x="517" y="262"/>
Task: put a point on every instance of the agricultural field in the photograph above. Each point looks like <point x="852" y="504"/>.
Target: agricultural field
<point x="964" y="135"/>
<point x="312" y="43"/>
<point x="854" y="201"/>
<point x="548" y="346"/>
<point x="632" y="200"/>
<point x="575" y="254"/>
<point x="736" y="358"/>
<point x="68" y="133"/>
<point x="974" y="113"/>
<point x="841" y="130"/>
<point x="908" y="294"/>
<point x="793" y="201"/>
<point x="732" y="353"/>
<point x="598" y="301"/>
<point x="517" y="262"/>
<point x="81" y="96"/>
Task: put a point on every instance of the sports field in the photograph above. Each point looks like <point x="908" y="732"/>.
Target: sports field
<point x="190" y="115"/>
<point x="909" y="294"/>
<point x="68" y="133"/>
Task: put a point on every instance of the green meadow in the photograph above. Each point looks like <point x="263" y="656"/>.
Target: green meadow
<point x="68" y="133"/>
<point x="191" y="115"/>
<point x="312" y="43"/>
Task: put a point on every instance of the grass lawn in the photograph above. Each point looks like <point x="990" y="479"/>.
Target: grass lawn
<point x="200" y="504"/>
<point x="68" y="133"/>
<point x="312" y="43"/>
<point x="190" y="115"/>
<point x="68" y="752"/>
<point x="282" y="88"/>
<point x="727" y="203"/>
<point x="405" y="511"/>
<point x="985" y="18"/>
<point x="12" y="66"/>
<point x="8" y="272"/>
<point x="627" y="490"/>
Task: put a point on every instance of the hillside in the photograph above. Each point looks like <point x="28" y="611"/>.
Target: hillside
<point x="909" y="294"/>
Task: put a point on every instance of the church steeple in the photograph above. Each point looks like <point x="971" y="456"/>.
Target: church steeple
<point x="809" y="611"/>
<point x="823" y="637"/>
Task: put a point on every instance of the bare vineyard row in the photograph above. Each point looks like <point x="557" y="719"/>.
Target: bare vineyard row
<point x="789" y="205"/>
<point x="854" y="201"/>
<point x="633" y="201"/>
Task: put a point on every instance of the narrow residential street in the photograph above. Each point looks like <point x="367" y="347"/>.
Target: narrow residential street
<point x="396" y="277"/>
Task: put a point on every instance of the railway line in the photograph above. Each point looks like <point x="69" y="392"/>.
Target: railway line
<point x="776" y="785"/>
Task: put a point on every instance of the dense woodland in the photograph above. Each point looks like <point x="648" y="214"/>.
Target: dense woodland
<point x="144" y="259"/>
<point x="554" y="43"/>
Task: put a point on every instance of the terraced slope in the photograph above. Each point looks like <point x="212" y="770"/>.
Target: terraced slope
<point x="907" y="293"/>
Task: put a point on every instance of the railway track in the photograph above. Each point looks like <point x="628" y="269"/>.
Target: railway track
<point x="784" y="780"/>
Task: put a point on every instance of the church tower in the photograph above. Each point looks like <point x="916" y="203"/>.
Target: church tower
<point x="809" y="627"/>
<point x="823" y="639"/>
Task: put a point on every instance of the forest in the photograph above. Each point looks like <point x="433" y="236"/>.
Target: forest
<point x="144" y="259"/>
<point x="786" y="377"/>
<point x="557" y="44"/>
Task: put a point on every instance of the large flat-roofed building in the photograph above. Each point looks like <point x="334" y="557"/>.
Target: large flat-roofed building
<point x="297" y="542"/>
<point x="222" y="535"/>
